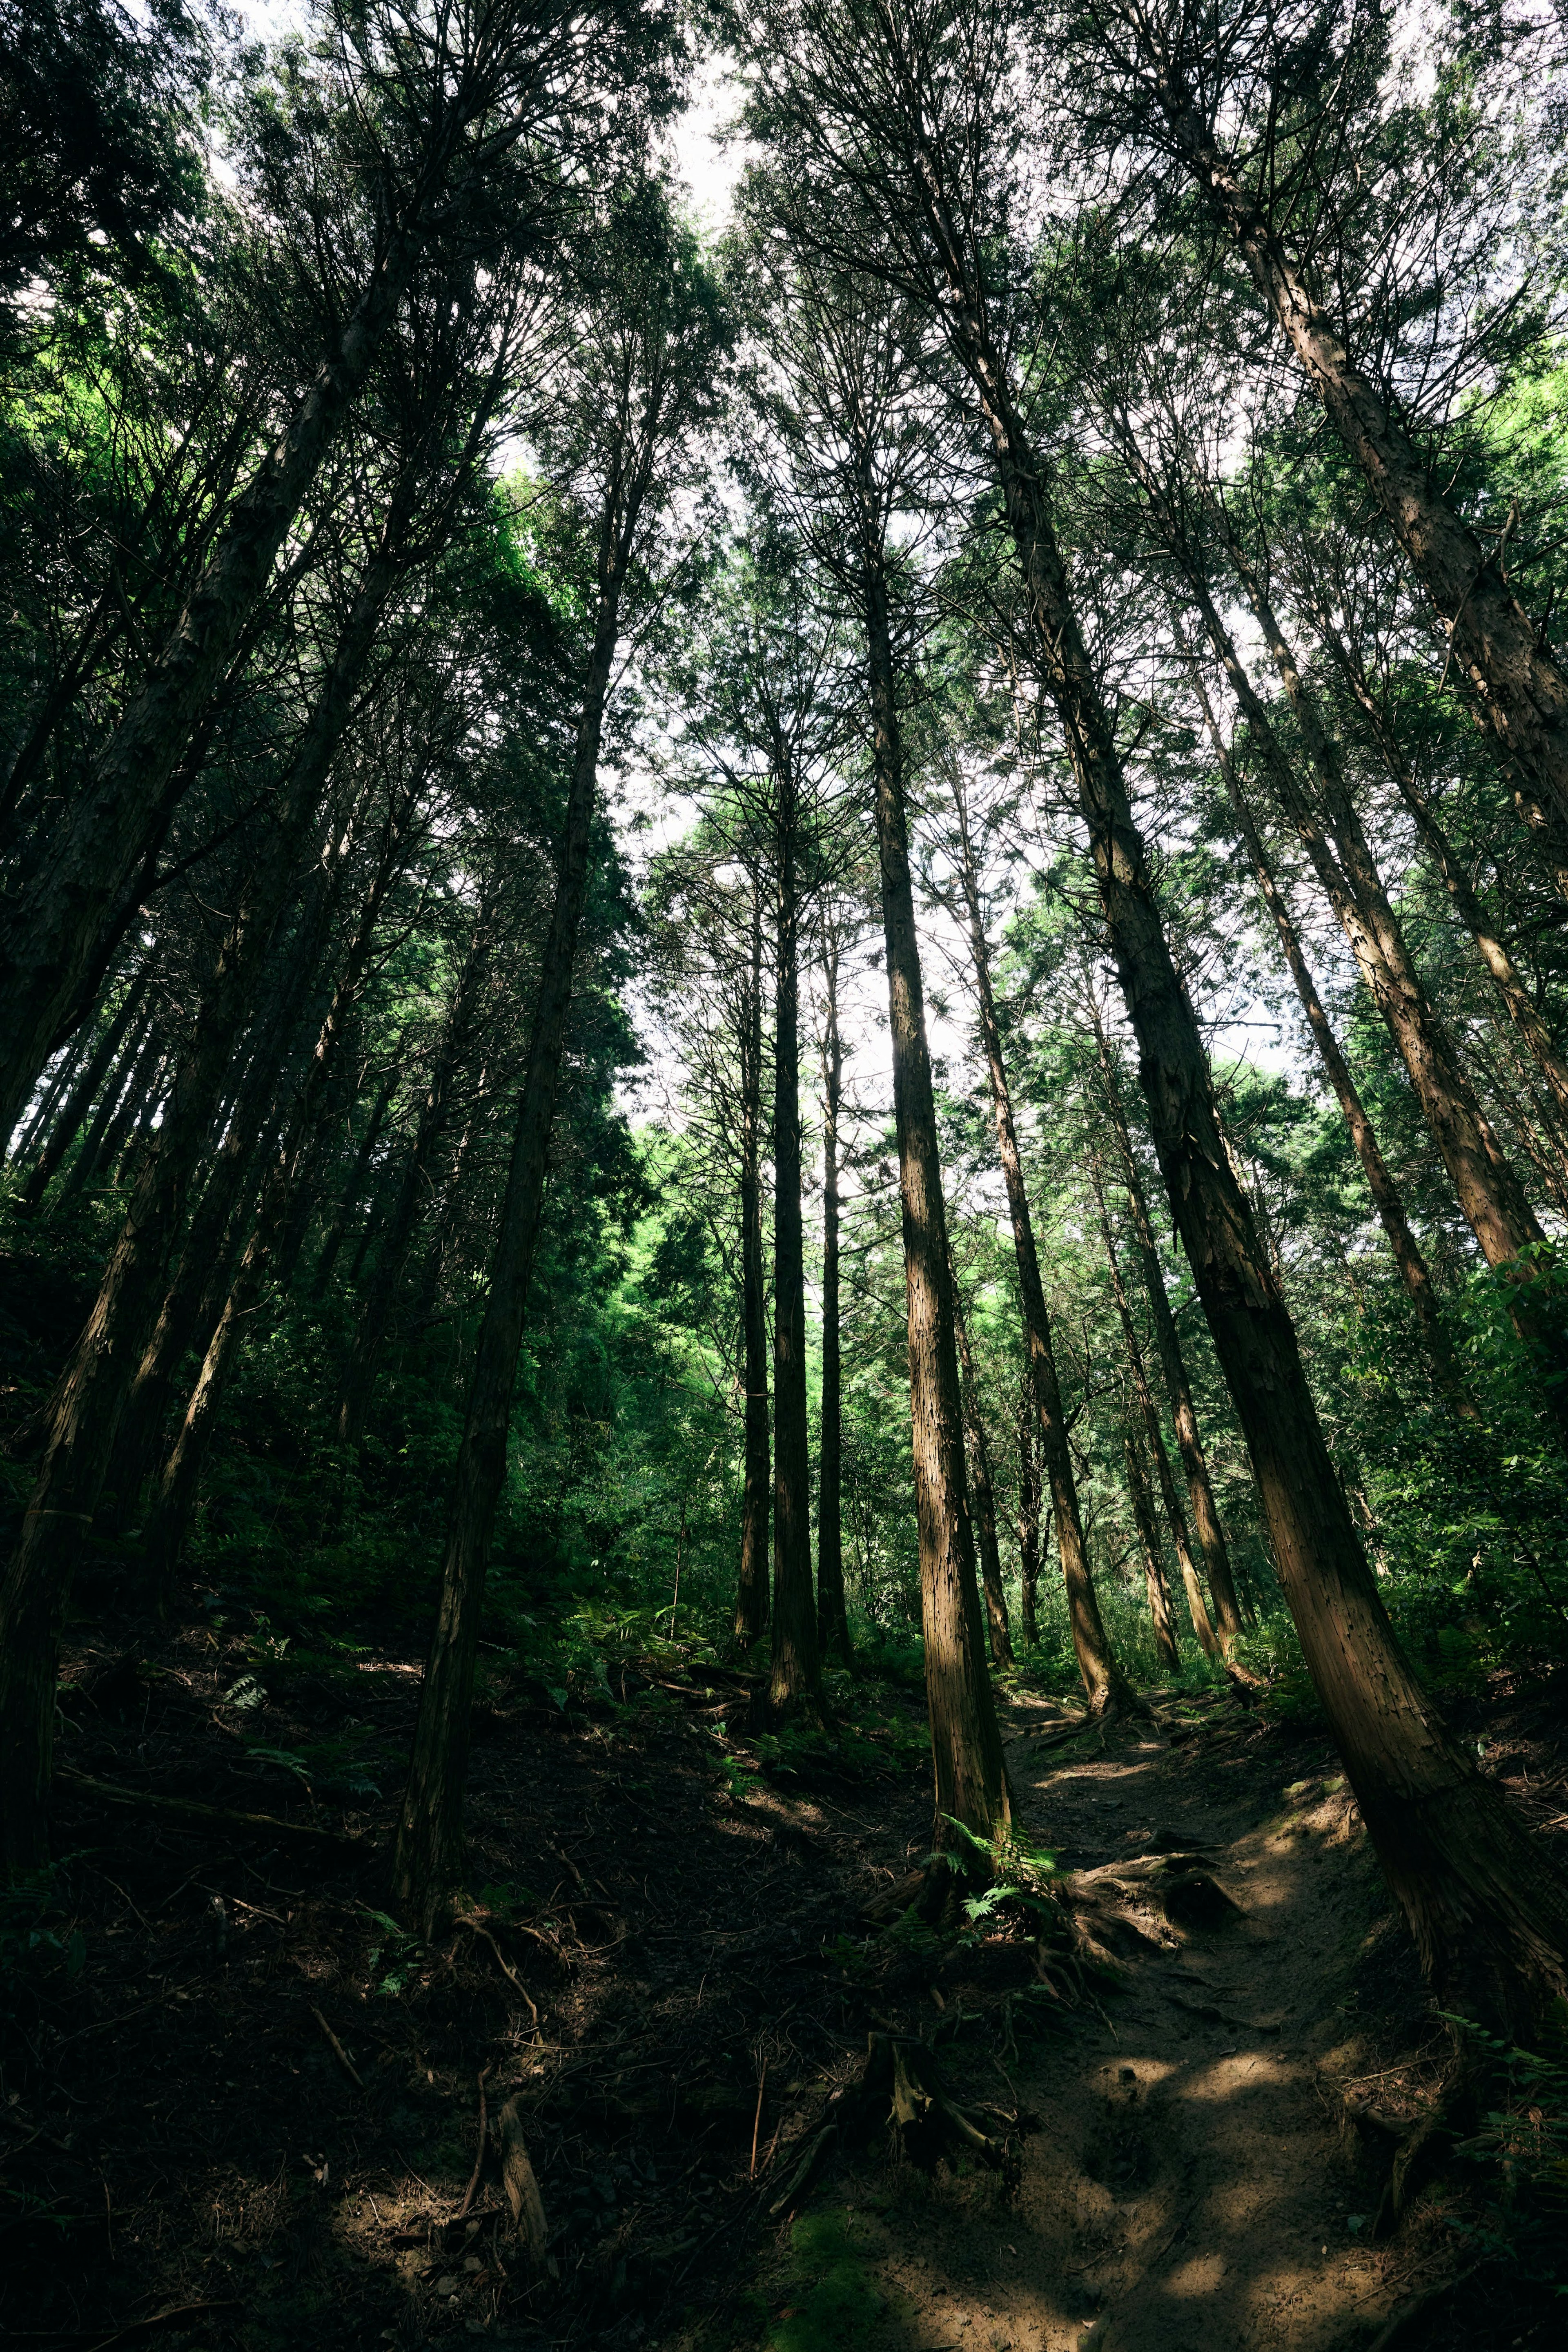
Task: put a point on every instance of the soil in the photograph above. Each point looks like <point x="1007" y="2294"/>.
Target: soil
<point x="240" y="2109"/>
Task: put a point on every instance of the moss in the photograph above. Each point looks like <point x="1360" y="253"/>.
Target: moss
<point x="831" y="2304"/>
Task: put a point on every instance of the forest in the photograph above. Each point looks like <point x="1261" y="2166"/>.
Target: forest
<point x="784" y="1231"/>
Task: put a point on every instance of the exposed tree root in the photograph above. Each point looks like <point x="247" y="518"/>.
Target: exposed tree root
<point x="900" y="2085"/>
<point x="1400" y="2328"/>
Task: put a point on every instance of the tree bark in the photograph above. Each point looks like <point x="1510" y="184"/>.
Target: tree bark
<point x="1173" y="1363"/>
<point x="1521" y="689"/>
<point x="971" y="1781"/>
<point x="752" y="1591"/>
<point x="1104" y="1682"/>
<point x="797" y="1664"/>
<point x="1167" y="1649"/>
<point x="832" y="1615"/>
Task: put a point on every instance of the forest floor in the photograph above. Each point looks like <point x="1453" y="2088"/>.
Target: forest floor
<point x="241" y="2109"/>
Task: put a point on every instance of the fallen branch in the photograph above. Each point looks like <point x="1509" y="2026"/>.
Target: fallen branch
<point x="339" y="2052"/>
<point x="461" y="2212"/>
<point x="518" y="2179"/>
<point x="144" y="1800"/>
<point x="510" y="1973"/>
<point x="161" y="2319"/>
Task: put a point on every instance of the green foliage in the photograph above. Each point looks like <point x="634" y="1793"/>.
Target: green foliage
<point x="1521" y="2147"/>
<point x="833" y="2302"/>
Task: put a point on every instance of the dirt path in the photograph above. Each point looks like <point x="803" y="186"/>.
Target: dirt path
<point x="1190" y="2188"/>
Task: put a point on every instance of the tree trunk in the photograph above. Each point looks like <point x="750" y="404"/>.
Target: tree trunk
<point x="397" y="1235"/>
<point x="1488" y="1912"/>
<point x="971" y="1781"/>
<point x="1521" y="689"/>
<point x="428" y="1854"/>
<point x="1464" y="897"/>
<point x="984" y="1489"/>
<point x="752" y="1593"/>
<point x="91" y="1392"/>
<point x="1104" y="1682"/>
<point x="37" y="1125"/>
<point x="177" y="1486"/>
<point x="83" y="1094"/>
<point x="134" y="1107"/>
<point x="1167" y="1650"/>
<point x="348" y="1199"/>
<point x="1172" y="1364"/>
<point x="797" y="1665"/>
<point x="832" y="1615"/>
<point x="1029" y="1519"/>
<point x="123" y="811"/>
<point x="1153" y="1436"/>
<point x="1489" y="1191"/>
<point x="142" y="1044"/>
<point x="188" y="1308"/>
<point x="1414" y="1272"/>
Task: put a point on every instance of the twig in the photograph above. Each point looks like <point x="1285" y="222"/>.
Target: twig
<point x="159" y="2318"/>
<point x="461" y="2212"/>
<point x="474" y="1929"/>
<point x="757" y="2119"/>
<point x="339" y="2052"/>
<point x="143" y="1801"/>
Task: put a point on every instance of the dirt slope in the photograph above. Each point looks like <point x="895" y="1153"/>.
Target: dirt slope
<point x="1190" y="2189"/>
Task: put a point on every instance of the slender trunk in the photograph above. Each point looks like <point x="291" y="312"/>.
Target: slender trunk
<point x="1167" y="1649"/>
<point x="124" y="1153"/>
<point x="1489" y="1191"/>
<point x="207" y="1252"/>
<point x="46" y="944"/>
<point x="984" y="1489"/>
<point x="62" y="1077"/>
<point x="1521" y="689"/>
<point x="832" y="1615"/>
<point x="1028" y="1518"/>
<point x="1463" y="897"/>
<point x="1104" y="1682"/>
<point x="1153" y="1436"/>
<point x="178" y="1483"/>
<point x="80" y="1101"/>
<point x="752" y="1593"/>
<point x="971" y="1781"/>
<point x="135" y="1104"/>
<point x="141" y="1042"/>
<point x="1488" y="1912"/>
<point x="1173" y="1365"/>
<point x="1414" y="1272"/>
<point x="397" y="1234"/>
<point x="91" y="1392"/>
<point x="350" y="1198"/>
<point x="428" y="1852"/>
<point x="797" y="1664"/>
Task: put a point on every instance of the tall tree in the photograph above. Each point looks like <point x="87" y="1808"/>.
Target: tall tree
<point x="907" y="119"/>
<point x="644" y="380"/>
